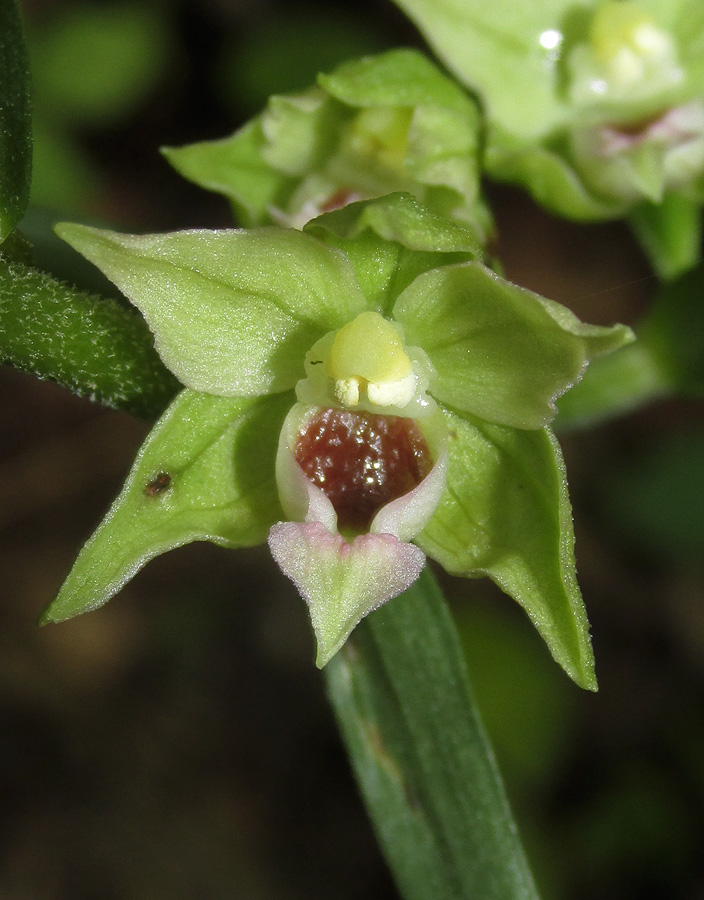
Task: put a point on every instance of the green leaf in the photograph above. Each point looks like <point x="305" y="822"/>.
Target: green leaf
<point x="204" y="473"/>
<point x="506" y="514"/>
<point x="15" y="120"/>
<point x="496" y="49"/>
<point x="91" y="345"/>
<point x="670" y="233"/>
<point x="428" y="777"/>
<point x="233" y="312"/>
<point x="500" y="351"/>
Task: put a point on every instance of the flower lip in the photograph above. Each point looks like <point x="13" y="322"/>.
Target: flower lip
<point x="355" y="472"/>
<point x="362" y="461"/>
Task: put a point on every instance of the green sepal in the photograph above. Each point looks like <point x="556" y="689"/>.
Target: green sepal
<point x="442" y="147"/>
<point x="392" y="240"/>
<point x="235" y="167"/>
<point x="233" y="312"/>
<point x="94" y="346"/>
<point x="506" y="514"/>
<point x="500" y="352"/>
<point x="670" y="233"/>
<point x="15" y="120"/>
<point x="204" y="473"/>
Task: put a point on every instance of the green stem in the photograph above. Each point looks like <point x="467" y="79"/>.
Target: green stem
<point x="92" y="345"/>
<point x="15" y="120"/>
<point x="427" y="773"/>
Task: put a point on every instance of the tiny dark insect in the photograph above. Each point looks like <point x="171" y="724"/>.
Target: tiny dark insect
<point x="158" y="484"/>
<point x="316" y="362"/>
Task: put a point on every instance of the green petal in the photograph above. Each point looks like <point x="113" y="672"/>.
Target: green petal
<point x="506" y="514"/>
<point x="442" y="149"/>
<point x="495" y="48"/>
<point x="204" y="473"/>
<point x="500" y="352"/>
<point x="233" y="312"/>
<point x="234" y="167"/>
<point x="301" y="130"/>
<point x="392" y="240"/>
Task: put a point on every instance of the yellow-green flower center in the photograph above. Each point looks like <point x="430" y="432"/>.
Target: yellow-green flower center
<point x="368" y="355"/>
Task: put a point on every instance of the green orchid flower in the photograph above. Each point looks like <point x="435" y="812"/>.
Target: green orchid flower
<point x="381" y="124"/>
<point x="596" y="106"/>
<point x="360" y="401"/>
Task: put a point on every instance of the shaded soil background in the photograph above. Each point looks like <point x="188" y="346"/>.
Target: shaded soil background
<point x="177" y="743"/>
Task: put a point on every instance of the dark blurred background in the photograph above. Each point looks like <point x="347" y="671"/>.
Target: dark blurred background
<point x="178" y="743"/>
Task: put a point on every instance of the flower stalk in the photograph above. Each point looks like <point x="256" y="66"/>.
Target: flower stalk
<point x="429" y="780"/>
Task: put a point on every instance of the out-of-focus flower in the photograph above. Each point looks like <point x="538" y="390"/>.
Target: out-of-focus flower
<point x="597" y="107"/>
<point x="384" y="123"/>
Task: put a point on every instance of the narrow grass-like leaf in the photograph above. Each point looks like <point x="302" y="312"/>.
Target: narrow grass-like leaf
<point x="428" y="776"/>
<point x="94" y="346"/>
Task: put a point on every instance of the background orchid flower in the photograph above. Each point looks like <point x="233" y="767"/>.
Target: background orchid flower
<point x="361" y="402"/>
<point x="385" y="123"/>
<point x="596" y="107"/>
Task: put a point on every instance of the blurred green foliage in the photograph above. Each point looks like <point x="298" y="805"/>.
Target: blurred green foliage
<point x="93" y="65"/>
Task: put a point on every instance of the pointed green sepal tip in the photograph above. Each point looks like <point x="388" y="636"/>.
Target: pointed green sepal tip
<point x="506" y="514"/>
<point x="204" y="473"/>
